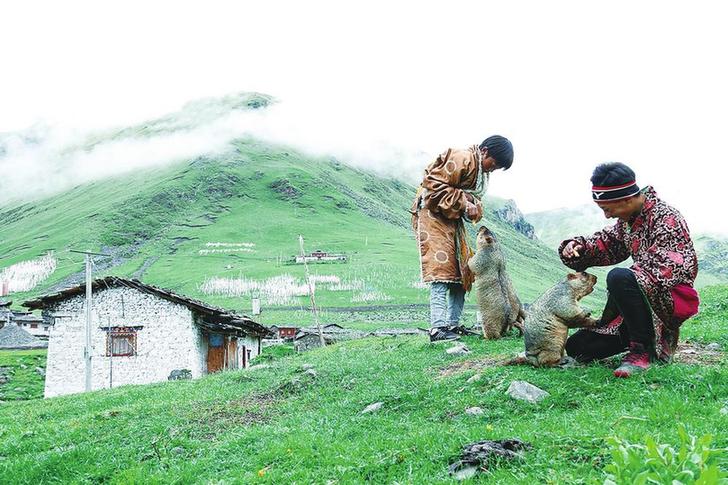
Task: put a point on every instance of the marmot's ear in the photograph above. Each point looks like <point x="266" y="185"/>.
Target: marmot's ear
<point x="572" y="276"/>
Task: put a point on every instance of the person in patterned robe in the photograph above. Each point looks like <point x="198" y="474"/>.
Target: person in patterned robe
<point x="648" y="301"/>
<point x="448" y="197"/>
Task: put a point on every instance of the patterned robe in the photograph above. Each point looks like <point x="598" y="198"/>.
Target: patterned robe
<point x="438" y="213"/>
<point x="665" y="265"/>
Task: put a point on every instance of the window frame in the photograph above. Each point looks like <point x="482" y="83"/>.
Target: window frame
<point x="113" y="333"/>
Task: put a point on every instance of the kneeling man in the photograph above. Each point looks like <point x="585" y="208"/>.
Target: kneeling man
<point x="648" y="301"/>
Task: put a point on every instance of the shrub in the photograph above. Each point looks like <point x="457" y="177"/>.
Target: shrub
<point x="695" y="462"/>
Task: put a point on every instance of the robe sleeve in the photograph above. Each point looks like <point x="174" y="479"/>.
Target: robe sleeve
<point x="603" y="248"/>
<point x="442" y="182"/>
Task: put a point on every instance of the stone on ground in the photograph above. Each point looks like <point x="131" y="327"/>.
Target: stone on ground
<point x="526" y="391"/>
<point x="372" y="408"/>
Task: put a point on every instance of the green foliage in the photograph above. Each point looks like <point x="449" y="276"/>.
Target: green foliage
<point x="694" y="462"/>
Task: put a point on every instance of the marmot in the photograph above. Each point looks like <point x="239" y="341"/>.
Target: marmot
<point x="497" y="300"/>
<point x="552" y="315"/>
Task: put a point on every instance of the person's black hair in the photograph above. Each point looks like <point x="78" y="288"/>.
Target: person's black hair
<point x="501" y="149"/>
<point x="611" y="174"/>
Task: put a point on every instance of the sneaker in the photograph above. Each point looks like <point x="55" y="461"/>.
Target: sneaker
<point x="637" y="360"/>
<point x="442" y="334"/>
<point x="462" y="330"/>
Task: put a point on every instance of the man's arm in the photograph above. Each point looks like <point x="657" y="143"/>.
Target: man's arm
<point x="442" y="182"/>
<point x="603" y="248"/>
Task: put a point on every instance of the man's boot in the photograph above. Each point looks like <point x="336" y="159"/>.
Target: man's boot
<point x="637" y="360"/>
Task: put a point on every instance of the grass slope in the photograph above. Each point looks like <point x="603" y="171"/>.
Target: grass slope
<point x="23" y="381"/>
<point x="281" y="425"/>
<point x="156" y="221"/>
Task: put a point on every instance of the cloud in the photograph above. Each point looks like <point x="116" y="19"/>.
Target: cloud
<point x="45" y="160"/>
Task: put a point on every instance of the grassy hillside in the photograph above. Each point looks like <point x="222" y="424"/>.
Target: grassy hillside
<point x="283" y="425"/>
<point x="238" y="215"/>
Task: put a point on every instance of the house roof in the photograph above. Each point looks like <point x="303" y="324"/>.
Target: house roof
<point x="14" y="337"/>
<point x="212" y="318"/>
<point x="26" y="317"/>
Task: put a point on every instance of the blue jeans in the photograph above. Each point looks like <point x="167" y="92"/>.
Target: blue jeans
<point x="446" y="304"/>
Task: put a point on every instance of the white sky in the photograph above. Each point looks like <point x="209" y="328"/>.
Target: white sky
<point x="571" y="83"/>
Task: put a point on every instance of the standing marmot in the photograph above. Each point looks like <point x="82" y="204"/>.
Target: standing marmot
<point x="551" y="316"/>
<point x="497" y="300"/>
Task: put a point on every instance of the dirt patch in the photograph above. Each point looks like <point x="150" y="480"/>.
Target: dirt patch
<point x="211" y="420"/>
<point x="473" y="365"/>
<point x="698" y="354"/>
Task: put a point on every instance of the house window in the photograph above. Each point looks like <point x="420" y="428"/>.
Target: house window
<point x="121" y="342"/>
<point x="33" y="325"/>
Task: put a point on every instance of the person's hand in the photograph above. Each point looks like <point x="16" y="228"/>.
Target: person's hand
<point x="471" y="210"/>
<point x="572" y="250"/>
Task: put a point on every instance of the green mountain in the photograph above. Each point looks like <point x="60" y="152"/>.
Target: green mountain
<point x="223" y="228"/>
<point x="553" y="226"/>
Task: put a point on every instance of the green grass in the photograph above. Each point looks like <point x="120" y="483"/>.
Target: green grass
<point x="24" y="381"/>
<point x="279" y="425"/>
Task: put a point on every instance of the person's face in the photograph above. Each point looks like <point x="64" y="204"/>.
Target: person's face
<point x="622" y="209"/>
<point x="489" y="164"/>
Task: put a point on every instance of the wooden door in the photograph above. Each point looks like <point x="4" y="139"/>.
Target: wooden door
<point x="215" y="353"/>
<point x="232" y="353"/>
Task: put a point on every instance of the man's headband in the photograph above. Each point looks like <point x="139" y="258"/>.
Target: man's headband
<point x="614" y="192"/>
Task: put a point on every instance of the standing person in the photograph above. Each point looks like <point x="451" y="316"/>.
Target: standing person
<point x="448" y="197"/>
<point x="648" y="301"/>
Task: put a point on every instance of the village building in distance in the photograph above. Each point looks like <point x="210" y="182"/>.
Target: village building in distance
<point x="21" y="330"/>
<point x="319" y="256"/>
<point x="140" y="334"/>
<point x="12" y="334"/>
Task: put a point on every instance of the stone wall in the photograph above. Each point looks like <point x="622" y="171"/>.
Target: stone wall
<point x="168" y="340"/>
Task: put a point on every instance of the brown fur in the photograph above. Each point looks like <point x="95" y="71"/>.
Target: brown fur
<point x="497" y="300"/>
<point x="551" y="316"/>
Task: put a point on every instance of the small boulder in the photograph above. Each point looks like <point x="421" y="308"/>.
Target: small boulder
<point x="526" y="391"/>
<point x="474" y="411"/>
<point x="474" y="378"/>
<point x="179" y="375"/>
<point x="40" y="371"/>
<point x="458" y="350"/>
<point x="713" y="347"/>
<point x="372" y="408"/>
<point x="311" y="372"/>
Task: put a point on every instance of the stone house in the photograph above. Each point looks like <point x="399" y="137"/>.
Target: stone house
<point x="139" y="334"/>
<point x="32" y="324"/>
<point x="12" y="333"/>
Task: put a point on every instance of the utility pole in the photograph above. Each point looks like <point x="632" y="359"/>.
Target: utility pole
<point x="87" y="348"/>
<point x="310" y="292"/>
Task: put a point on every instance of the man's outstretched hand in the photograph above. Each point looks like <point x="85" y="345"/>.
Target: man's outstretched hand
<point x="572" y="250"/>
